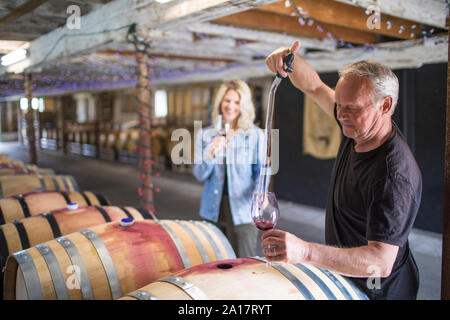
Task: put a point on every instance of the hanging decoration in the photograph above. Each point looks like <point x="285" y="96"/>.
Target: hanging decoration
<point x="118" y="71"/>
<point x="145" y="111"/>
<point x="303" y="19"/>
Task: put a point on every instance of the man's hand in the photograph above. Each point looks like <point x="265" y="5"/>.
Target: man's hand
<point x="303" y="77"/>
<point x="352" y="262"/>
<point x="289" y="248"/>
<point x="275" y="60"/>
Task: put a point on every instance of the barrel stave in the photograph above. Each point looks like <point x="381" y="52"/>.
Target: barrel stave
<point x="38" y="202"/>
<point x="10" y="210"/>
<point x="37" y="229"/>
<point x="12" y="237"/>
<point x="44" y="274"/>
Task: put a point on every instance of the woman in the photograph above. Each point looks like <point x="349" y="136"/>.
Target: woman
<point x="230" y="166"/>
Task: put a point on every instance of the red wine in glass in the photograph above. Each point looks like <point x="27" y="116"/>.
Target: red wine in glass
<point x="265" y="212"/>
<point x="264" y="225"/>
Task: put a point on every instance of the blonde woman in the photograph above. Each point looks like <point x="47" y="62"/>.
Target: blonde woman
<point x="230" y="165"/>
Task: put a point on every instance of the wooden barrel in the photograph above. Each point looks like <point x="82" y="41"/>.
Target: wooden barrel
<point x="77" y="136"/>
<point x="111" y="137"/>
<point x="28" y="232"/>
<point x="70" y="136"/>
<point x="45" y="171"/>
<point x="10" y="161"/>
<point x="111" y="259"/>
<point x="132" y="140"/>
<point x="103" y="136"/>
<point x="14" y="169"/>
<point x="32" y="168"/>
<point x="8" y="170"/>
<point x="250" y="279"/>
<point x="84" y="135"/>
<point x="92" y="137"/>
<point x="45" y="134"/>
<point x="30" y="204"/>
<point x="120" y="140"/>
<point x="22" y="183"/>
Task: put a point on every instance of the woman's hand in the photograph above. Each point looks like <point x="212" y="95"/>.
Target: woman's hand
<point x="218" y="143"/>
<point x="289" y="248"/>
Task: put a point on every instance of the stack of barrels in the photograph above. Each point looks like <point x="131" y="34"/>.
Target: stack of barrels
<point x="115" y="144"/>
<point x="58" y="242"/>
<point x="122" y="145"/>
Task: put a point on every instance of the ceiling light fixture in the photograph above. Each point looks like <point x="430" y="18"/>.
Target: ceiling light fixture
<point x="14" y="56"/>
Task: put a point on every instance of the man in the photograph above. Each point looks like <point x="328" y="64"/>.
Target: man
<point x="375" y="187"/>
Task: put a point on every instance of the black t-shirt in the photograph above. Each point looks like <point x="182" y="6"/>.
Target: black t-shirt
<point x="375" y="196"/>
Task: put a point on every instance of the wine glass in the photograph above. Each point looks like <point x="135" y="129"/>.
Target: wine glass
<point x="265" y="213"/>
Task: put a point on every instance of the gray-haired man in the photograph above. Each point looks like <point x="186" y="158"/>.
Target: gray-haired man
<point x="375" y="188"/>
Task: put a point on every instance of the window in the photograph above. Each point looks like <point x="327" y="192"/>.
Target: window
<point x="160" y="104"/>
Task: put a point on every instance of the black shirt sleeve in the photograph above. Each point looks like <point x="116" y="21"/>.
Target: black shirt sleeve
<point x="392" y="211"/>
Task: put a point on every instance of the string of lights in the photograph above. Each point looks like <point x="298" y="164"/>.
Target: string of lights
<point x="105" y="74"/>
<point x="144" y="111"/>
<point x="84" y="34"/>
<point x="414" y="30"/>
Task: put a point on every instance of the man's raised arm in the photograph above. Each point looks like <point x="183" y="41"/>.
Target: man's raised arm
<point x="303" y="76"/>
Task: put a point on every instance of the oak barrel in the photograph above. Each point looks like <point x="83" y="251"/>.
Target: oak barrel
<point x="32" y="203"/>
<point x="28" y="232"/>
<point x="13" y="169"/>
<point x="32" y="168"/>
<point x="132" y="140"/>
<point x="250" y="279"/>
<point x="22" y="183"/>
<point x="8" y="170"/>
<point x="111" y="259"/>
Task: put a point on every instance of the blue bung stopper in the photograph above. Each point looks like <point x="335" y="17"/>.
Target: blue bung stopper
<point x="126" y="222"/>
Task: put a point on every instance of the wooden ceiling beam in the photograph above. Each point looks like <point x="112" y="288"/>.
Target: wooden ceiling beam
<point x="18" y="36"/>
<point x="260" y="36"/>
<point x="345" y="15"/>
<point x="166" y="55"/>
<point x="261" y="20"/>
<point x="115" y="16"/>
<point x="428" y="12"/>
<point x="20" y="11"/>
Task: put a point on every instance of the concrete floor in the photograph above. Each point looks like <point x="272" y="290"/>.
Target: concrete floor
<point x="180" y="199"/>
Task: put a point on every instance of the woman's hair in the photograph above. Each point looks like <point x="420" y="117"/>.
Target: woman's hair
<point x="384" y="81"/>
<point x="247" y="114"/>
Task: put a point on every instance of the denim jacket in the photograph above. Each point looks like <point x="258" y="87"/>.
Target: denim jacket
<point x="243" y="160"/>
